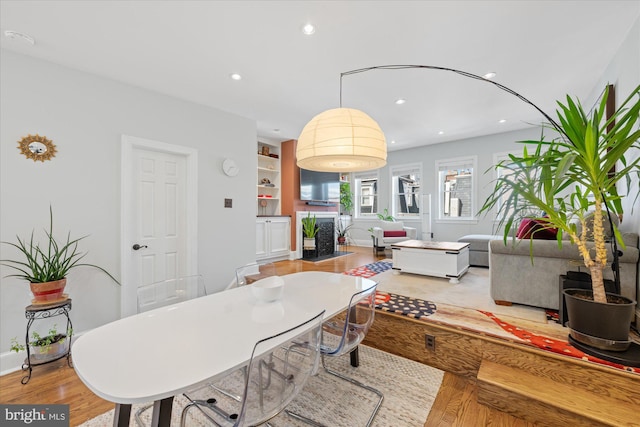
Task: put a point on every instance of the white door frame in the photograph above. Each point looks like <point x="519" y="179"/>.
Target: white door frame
<point x="129" y="143"/>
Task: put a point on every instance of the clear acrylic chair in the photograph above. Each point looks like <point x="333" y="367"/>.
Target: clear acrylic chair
<point x="164" y="293"/>
<point x="249" y="273"/>
<point x="279" y="367"/>
<point x="170" y="291"/>
<point x="341" y="335"/>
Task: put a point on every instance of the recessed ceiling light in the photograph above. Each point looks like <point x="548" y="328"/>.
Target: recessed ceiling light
<point x="489" y="75"/>
<point x="441" y="132"/>
<point x="502" y="120"/>
<point x="308" y="29"/>
<point x="276" y="130"/>
<point x="400" y="101"/>
<point x="19" y="36"/>
<point x="393" y="142"/>
<point x="235" y="76"/>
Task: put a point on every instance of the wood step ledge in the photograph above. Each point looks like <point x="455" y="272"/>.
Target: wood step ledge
<point x="545" y="400"/>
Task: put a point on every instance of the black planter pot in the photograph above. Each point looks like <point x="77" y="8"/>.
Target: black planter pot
<point x="600" y="325"/>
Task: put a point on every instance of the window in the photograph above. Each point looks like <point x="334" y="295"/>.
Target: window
<point x="366" y="194"/>
<point x="405" y="189"/>
<point x="456" y="188"/>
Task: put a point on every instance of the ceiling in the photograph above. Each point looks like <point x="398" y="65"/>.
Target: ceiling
<point x="187" y="49"/>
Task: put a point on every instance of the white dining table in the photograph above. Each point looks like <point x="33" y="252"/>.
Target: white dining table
<point x="158" y="354"/>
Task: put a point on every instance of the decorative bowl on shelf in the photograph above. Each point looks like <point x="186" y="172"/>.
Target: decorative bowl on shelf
<point x="268" y="289"/>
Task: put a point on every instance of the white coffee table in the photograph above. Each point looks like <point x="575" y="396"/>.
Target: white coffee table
<point x="438" y="259"/>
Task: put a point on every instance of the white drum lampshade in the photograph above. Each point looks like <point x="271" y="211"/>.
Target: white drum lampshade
<point x="341" y="140"/>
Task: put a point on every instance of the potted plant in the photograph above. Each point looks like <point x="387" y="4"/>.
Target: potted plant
<point x="385" y="216"/>
<point x="309" y="229"/>
<point x="346" y="198"/>
<point x="46" y="266"/>
<point x="341" y="231"/>
<point x="42" y="348"/>
<point x="571" y="178"/>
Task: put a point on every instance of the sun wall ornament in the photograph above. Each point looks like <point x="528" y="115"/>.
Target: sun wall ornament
<point x="37" y="148"/>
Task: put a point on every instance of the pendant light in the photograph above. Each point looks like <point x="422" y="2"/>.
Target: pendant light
<point x="341" y="140"/>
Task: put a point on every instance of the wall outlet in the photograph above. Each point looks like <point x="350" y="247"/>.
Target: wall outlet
<point x="228" y="203"/>
<point x="430" y="342"/>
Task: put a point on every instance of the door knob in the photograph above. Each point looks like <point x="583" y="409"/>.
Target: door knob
<point x="137" y="247"/>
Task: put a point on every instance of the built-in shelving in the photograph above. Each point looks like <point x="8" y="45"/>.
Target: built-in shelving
<point x="268" y="185"/>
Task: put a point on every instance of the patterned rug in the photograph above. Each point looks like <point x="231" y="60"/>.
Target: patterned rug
<point x="421" y="309"/>
<point x="409" y="391"/>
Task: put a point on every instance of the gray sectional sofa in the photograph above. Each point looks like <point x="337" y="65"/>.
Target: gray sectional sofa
<point x="515" y="279"/>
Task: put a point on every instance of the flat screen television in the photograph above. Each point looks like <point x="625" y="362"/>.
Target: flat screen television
<point x="319" y="186"/>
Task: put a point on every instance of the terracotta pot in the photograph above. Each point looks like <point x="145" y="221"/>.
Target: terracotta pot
<point x="48" y="291"/>
<point x="341" y="239"/>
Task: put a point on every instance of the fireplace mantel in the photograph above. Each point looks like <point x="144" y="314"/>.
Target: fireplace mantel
<point x="318" y="215"/>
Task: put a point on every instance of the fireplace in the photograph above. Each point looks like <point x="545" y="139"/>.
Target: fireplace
<point x="325" y="239"/>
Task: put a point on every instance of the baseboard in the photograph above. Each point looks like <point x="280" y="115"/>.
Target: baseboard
<point x="368" y="243"/>
<point x="11" y="361"/>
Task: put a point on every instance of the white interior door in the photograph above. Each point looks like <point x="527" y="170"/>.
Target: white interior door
<point x="159" y="238"/>
<point x="160" y="225"/>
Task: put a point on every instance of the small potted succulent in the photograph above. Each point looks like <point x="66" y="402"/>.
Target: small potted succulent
<point x="309" y="229"/>
<point x="45" y="266"/>
<point x="342" y="230"/>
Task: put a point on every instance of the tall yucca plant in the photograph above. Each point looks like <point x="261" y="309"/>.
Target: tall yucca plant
<point x="50" y="262"/>
<point x="569" y="177"/>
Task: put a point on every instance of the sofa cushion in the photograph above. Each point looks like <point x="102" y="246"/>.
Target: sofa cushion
<point x="395" y="233"/>
<point x="392" y="225"/>
<point x="535" y="229"/>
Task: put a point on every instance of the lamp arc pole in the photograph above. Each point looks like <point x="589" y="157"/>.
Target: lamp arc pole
<point x="502" y="87"/>
<point x="616" y="253"/>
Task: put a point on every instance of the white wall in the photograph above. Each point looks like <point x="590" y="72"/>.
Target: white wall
<point x="85" y="116"/>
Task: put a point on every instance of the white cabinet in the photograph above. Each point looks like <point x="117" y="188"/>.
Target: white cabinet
<point x="268" y="179"/>
<point x="273" y="237"/>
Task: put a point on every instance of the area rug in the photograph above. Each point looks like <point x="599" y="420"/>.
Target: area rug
<point x="409" y="391"/>
<point x="471" y="292"/>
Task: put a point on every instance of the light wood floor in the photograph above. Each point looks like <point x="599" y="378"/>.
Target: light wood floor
<point x="455" y="405"/>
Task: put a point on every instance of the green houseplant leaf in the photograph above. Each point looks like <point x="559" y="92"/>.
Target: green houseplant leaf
<point x="49" y="262"/>
<point x="569" y="176"/>
<point x="309" y="226"/>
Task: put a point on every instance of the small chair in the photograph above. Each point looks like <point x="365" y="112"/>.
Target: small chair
<point x="170" y="291"/>
<point x="249" y="273"/>
<point x="162" y="294"/>
<point x="390" y="232"/>
<point x="279" y="367"/>
<point x="341" y="335"/>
